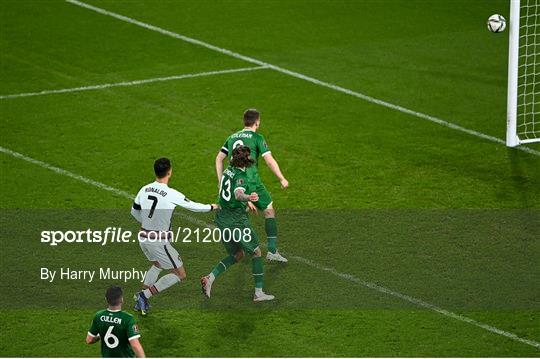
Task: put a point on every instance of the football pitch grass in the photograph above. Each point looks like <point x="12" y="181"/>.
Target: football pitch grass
<point x="411" y="231"/>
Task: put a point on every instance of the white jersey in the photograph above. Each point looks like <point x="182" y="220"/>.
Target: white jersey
<point x="156" y="202"/>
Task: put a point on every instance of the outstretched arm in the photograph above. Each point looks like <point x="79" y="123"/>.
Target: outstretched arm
<point x="274" y="167"/>
<point x="196" y="207"/>
<point x="219" y="165"/>
<point x="182" y="201"/>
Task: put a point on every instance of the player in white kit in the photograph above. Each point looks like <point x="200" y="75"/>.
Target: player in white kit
<point x="153" y="208"/>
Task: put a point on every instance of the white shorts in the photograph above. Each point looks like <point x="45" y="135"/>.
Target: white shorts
<point x="163" y="253"/>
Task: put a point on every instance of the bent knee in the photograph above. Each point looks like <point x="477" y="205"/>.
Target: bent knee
<point x="257" y="252"/>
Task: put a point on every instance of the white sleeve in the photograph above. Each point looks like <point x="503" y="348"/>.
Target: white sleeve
<point x="137" y="200"/>
<point x="180" y="200"/>
<point x="136" y="213"/>
<point x="136" y="207"/>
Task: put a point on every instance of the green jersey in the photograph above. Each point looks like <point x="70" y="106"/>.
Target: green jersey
<point x="115" y="328"/>
<point x="233" y="178"/>
<point x="232" y="210"/>
<point x="256" y="143"/>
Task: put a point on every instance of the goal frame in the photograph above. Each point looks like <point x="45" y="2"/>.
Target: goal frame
<point x="512" y="138"/>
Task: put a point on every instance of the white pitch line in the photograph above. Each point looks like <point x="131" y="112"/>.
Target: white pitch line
<point x="131" y="83"/>
<point x="416" y="301"/>
<point x="300" y="76"/>
<point x="64" y="172"/>
<point x="308" y="262"/>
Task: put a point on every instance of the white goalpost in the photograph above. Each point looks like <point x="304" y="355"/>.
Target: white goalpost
<point x="523" y="106"/>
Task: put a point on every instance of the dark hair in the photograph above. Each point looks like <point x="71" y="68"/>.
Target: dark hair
<point x="250" y="117"/>
<point x="162" y="166"/>
<point x="240" y="157"/>
<point x="113" y="295"/>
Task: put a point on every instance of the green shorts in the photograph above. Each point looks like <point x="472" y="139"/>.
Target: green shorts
<point x="264" y="197"/>
<point x="236" y="233"/>
<point x="239" y="238"/>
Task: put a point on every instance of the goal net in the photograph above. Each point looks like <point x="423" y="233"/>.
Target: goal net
<point x="523" y="117"/>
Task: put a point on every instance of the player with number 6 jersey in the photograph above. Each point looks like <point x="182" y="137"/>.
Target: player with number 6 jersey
<point x="153" y="208"/>
<point x="118" y="330"/>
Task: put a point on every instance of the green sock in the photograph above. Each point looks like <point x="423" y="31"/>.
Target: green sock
<point x="257" y="269"/>
<point x="223" y="265"/>
<point x="270" y="227"/>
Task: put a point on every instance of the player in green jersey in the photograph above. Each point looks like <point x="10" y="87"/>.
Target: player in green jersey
<point x="237" y="234"/>
<point x="259" y="148"/>
<point x="117" y="329"/>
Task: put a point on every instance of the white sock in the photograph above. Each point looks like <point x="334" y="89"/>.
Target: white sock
<point x="147" y="293"/>
<point x="211" y="277"/>
<point x="163" y="283"/>
<point x="151" y="276"/>
<point x="258" y="291"/>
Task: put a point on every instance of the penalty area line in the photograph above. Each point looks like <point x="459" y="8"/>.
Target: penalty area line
<point x="305" y="261"/>
<point x="298" y="75"/>
<point x="132" y="83"/>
